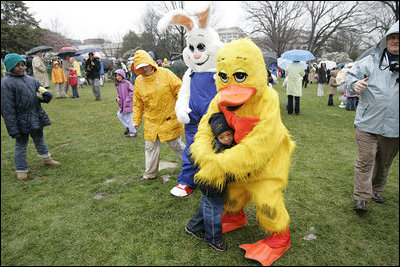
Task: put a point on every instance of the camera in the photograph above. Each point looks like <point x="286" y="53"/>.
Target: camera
<point x="44" y="95"/>
<point x="394" y="66"/>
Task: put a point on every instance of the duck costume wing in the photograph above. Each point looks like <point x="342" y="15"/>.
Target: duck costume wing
<point x="259" y="163"/>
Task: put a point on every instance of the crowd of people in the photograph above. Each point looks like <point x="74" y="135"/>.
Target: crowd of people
<point x="147" y="91"/>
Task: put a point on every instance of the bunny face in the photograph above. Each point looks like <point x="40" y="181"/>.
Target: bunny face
<point x="201" y="48"/>
<point x="202" y="42"/>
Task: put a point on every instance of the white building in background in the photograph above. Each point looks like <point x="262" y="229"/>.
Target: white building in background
<point x="228" y="34"/>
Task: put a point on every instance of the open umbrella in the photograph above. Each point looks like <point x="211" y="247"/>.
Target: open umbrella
<point x="340" y="65"/>
<point x="179" y="64"/>
<point x="107" y="63"/>
<point x="329" y="64"/>
<point x="79" y="58"/>
<point x="43" y="48"/>
<point x="269" y="58"/>
<point x="67" y="50"/>
<point x="298" y="55"/>
<point x="87" y="50"/>
<point x="284" y="63"/>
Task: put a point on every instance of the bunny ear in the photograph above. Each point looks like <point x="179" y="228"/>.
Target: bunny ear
<point x="203" y="18"/>
<point x="178" y="17"/>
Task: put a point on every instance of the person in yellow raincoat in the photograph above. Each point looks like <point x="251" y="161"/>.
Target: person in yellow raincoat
<point x="58" y="78"/>
<point x="155" y="94"/>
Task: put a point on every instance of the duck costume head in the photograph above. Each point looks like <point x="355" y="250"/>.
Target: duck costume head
<point x="258" y="166"/>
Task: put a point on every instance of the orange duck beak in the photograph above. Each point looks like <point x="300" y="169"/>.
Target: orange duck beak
<point x="234" y="95"/>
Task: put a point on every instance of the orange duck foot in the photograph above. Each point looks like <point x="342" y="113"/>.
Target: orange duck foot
<point x="232" y="222"/>
<point x="263" y="252"/>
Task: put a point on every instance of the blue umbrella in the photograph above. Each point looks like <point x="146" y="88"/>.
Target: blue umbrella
<point x="87" y="50"/>
<point x="284" y="63"/>
<point x="79" y="58"/>
<point x="298" y="55"/>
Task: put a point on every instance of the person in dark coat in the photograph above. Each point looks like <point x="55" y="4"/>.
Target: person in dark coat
<point x="322" y="79"/>
<point x="93" y="67"/>
<point x="305" y="78"/>
<point x="23" y="114"/>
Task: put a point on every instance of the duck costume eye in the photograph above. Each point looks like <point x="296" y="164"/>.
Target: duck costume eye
<point x="223" y="76"/>
<point x="240" y="76"/>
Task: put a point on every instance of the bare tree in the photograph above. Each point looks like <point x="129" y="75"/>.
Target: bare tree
<point x="55" y="40"/>
<point x="111" y="46"/>
<point x="276" y="22"/>
<point x="379" y="16"/>
<point x="57" y="27"/>
<point x="327" y="17"/>
<point x="393" y="8"/>
<point x="176" y="33"/>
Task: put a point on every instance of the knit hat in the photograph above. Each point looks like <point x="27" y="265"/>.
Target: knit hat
<point x="12" y="60"/>
<point x="218" y="124"/>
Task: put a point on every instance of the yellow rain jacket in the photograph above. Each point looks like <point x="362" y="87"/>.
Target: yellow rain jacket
<point x="77" y="67"/>
<point x="156" y="95"/>
<point x="58" y="75"/>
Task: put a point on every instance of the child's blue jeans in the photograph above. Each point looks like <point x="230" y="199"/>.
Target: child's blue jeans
<point x="208" y="217"/>
<point x="351" y="103"/>
<point x="21" y="142"/>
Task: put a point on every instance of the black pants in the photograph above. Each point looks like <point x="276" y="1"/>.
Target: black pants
<point x="304" y="82"/>
<point x="296" y="104"/>
<point x="330" y="100"/>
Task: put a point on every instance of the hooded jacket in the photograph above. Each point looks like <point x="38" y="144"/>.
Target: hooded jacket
<point x="155" y="97"/>
<point x="20" y="106"/>
<point x="73" y="78"/>
<point x="58" y="75"/>
<point x="125" y="93"/>
<point x="333" y="85"/>
<point x="378" y="108"/>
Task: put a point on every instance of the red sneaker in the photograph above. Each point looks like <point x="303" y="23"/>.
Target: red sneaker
<point x="181" y="190"/>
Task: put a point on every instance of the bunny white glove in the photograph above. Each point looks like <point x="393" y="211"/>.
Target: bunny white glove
<point x="183" y="115"/>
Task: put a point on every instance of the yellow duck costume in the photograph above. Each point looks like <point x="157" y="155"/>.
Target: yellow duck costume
<point x="259" y="163"/>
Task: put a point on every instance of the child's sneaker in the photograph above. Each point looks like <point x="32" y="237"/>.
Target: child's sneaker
<point x="219" y="246"/>
<point x="199" y="235"/>
<point x="131" y="135"/>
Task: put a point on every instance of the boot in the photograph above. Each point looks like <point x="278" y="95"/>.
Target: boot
<point x="22" y="176"/>
<point x="51" y="162"/>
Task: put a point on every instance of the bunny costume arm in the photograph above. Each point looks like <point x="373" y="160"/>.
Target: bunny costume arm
<point x="182" y="109"/>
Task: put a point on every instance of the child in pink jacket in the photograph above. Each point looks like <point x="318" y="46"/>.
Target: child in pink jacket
<point x="125" y="102"/>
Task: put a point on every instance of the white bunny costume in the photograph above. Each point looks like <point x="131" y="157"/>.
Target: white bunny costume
<point x="198" y="87"/>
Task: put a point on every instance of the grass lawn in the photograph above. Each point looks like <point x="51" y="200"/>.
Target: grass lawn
<point x="54" y="219"/>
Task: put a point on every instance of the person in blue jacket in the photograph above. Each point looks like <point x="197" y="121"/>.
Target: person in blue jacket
<point x="375" y="79"/>
<point x="23" y="114"/>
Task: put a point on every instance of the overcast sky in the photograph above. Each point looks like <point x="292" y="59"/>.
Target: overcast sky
<point x="111" y="20"/>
